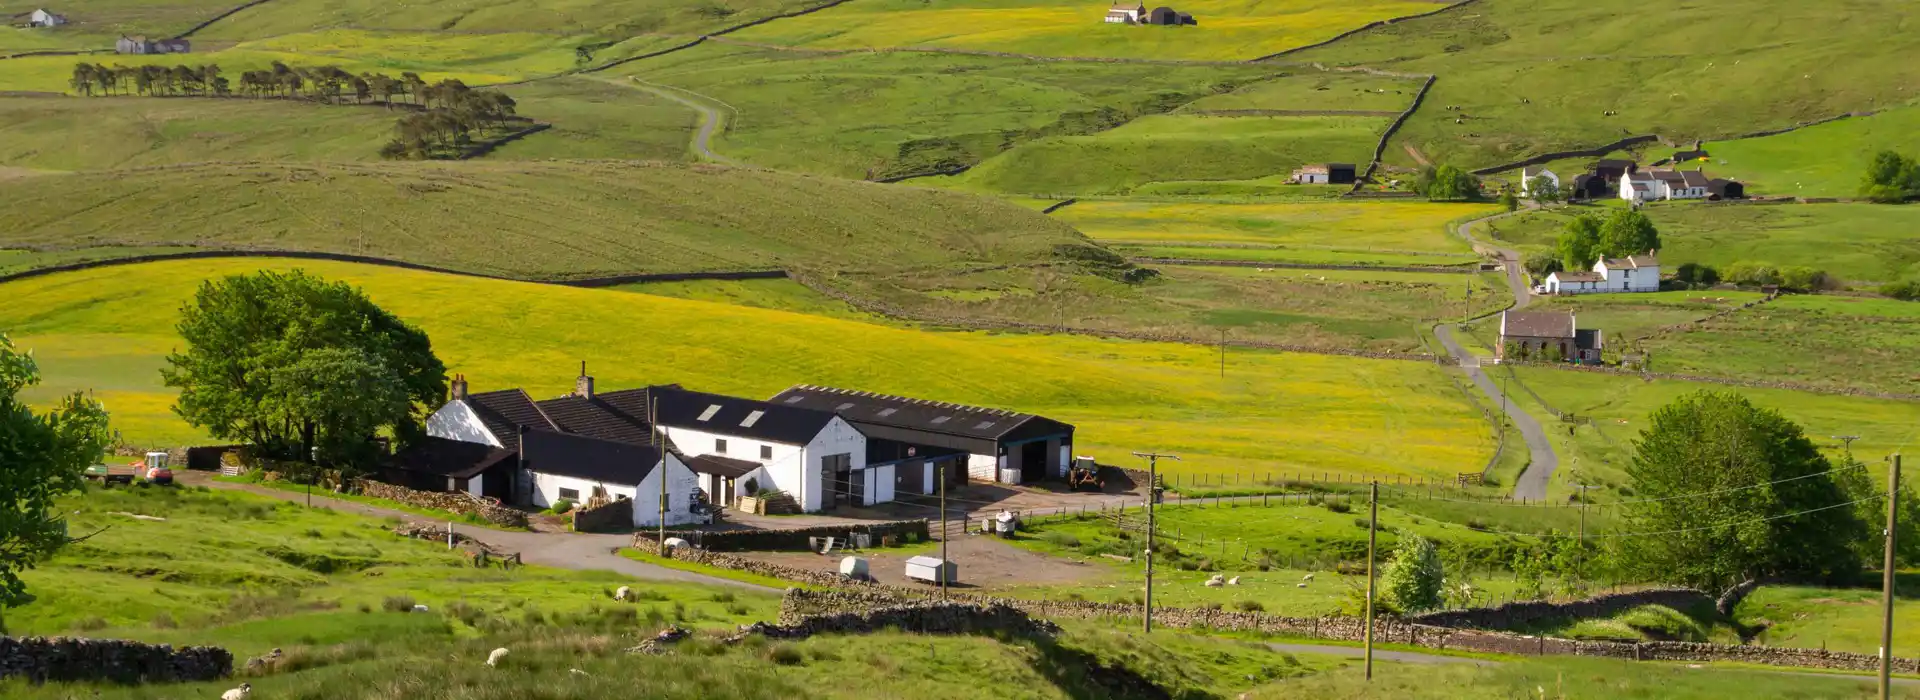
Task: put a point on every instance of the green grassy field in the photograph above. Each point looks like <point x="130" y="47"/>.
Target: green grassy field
<point x="1315" y="90"/>
<point x="881" y="114"/>
<point x="1533" y="77"/>
<point x="96" y="23"/>
<point x="1225" y="29"/>
<point x="776" y="294"/>
<point x="1173" y="148"/>
<point x="108" y="329"/>
<point x="1629" y="316"/>
<point x="1560" y="679"/>
<point x="1309" y="232"/>
<point x="1864" y="243"/>
<point x="1818" y="161"/>
<point x="65" y="133"/>
<point x="561" y="219"/>
<point x="595" y="119"/>
<point x="55" y="73"/>
<point x="1830" y="342"/>
<point x="608" y="20"/>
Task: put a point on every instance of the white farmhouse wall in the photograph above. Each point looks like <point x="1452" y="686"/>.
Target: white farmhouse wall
<point x="457" y="421"/>
<point x="473" y="485"/>
<point x="839" y="437"/>
<point x="546" y="488"/>
<point x="794" y="469"/>
<point x="681" y="483"/>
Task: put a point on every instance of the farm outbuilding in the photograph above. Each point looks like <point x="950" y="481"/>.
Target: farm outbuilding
<point x="1722" y="188"/>
<point x="42" y="18"/>
<point x="1163" y="16"/>
<point x="997" y="445"/>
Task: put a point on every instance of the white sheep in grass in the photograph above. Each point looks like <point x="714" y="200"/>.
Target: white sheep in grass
<point x="622" y="593"/>
<point x="1308" y="577"/>
<point x="493" y="659"/>
<point x="239" y="693"/>
<point x="1235" y="581"/>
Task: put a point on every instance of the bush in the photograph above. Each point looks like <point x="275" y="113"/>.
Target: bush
<point x="1696" y="275"/>
<point x="1804" y="279"/>
<point x="397" y="603"/>
<point x="1904" y="290"/>
<point x="1339" y="506"/>
<point x="1541" y="263"/>
<point x="89" y="624"/>
<point x="1250" y="606"/>
<point x="1752" y="274"/>
<point x="785" y="655"/>
<point x="561" y="506"/>
<point x="1062" y="539"/>
<point x="1413" y="580"/>
<point x="723" y="597"/>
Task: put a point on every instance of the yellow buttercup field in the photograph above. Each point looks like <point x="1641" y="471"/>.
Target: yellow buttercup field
<point x="109" y="330"/>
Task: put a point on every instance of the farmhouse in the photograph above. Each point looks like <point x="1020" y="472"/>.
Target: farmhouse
<point x="1325" y="174"/>
<point x="43" y="18"/>
<point x="1528" y="175"/>
<point x="1612" y="170"/>
<point x="1122" y="13"/>
<point x="813" y="455"/>
<point x="1546" y="335"/>
<point x="140" y="45"/>
<point x="1663" y="184"/>
<point x="1634" y="273"/>
<point x="989" y="444"/>
<point x="1589" y="186"/>
<point x="582" y="469"/>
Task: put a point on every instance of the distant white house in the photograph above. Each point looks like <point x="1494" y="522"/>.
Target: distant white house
<point x="1634" y="273"/>
<point x="1122" y="13"/>
<point x="1528" y="175"/>
<point x="1656" y="185"/>
<point x="43" y="18"/>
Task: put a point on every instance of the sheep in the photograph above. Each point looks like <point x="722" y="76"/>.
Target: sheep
<point x="576" y="672"/>
<point x="1299" y="585"/>
<point x="1308" y="577"/>
<point x="622" y="593"/>
<point x="493" y="659"/>
<point x="1235" y="581"/>
<point x="1216" y="581"/>
<point x="239" y="693"/>
<point x="419" y="608"/>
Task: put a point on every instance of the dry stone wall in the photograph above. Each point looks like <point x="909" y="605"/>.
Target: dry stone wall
<point x="616" y="516"/>
<point x="790" y="539"/>
<point x="1521" y="614"/>
<point x="43" y="659"/>
<point x="450" y="501"/>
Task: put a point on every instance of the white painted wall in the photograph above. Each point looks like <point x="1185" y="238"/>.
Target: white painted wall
<point x="1526" y="183"/>
<point x="473" y="484"/>
<point x="839" y="437"/>
<point x="878" y="482"/>
<point x="546" y="489"/>
<point x="681" y="483"/>
<point x="457" y="421"/>
<point x="794" y="469"/>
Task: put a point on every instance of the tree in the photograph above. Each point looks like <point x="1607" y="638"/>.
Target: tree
<point x="1541" y="263"/>
<point x="1752" y="274"/>
<point x="260" y="346"/>
<point x="1412" y="582"/>
<point x="1543" y="190"/>
<point x="1579" y="243"/>
<point x="1696" y="275"/>
<point x="1450" y="183"/>
<point x="1732" y="494"/>
<point x="1628" y="232"/>
<point x="1890" y="179"/>
<point x="41" y="457"/>
<point x="1508" y="201"/>
<point x="1904" y="290"/>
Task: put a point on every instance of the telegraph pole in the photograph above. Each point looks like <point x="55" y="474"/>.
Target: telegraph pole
<point x="942" y="476"/>
<point x="1153" y="494"/>
<point x="1886" y="580"/>
<point x="653" y="424"/>
<point x="1223" y="353"/>
<point x="1373" y="530"/>
<point x="1583" y="533"/>
<point x="1847" y="443"/>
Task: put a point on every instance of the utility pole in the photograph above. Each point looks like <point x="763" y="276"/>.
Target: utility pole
<point x="942" y="472"/>
<point x="659" y="448"/>
<point x="1886" y="580"/>
<point x="1848" y="444"/>
<point x="1373" y="531"/>
<point x="1583" y="533"/>
<point x="1223" y="353"/>
<point x="1153" y="494"/>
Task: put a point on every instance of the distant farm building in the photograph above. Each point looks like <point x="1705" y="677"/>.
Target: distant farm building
<point x="1613" y="169"/>
<point x="1122" y="13"/>
<point x="1546" y="335"/>
<point x="140" y="46"/>
<point x="1634" y="273"/>
<point x="1528" y="175"/>
<point x="1722" y="188"/>
<point x="929" y="437"/>
<point x="1325" y="174"/>
<point x="1653" y="185"/>
<point x="43" y="18"/>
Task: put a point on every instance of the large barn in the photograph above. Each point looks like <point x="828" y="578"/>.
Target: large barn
<point x="986" y="444"/>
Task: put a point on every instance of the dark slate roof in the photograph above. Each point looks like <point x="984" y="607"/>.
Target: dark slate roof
<point x="592" y="459"/>
<point x="1536" y="324"/>
<point x="1578" y="276"/>
<point x="864" y="408"/>
<point x="1693" y="178"/>
<point x="1340" y="166"/>
<point x="717" y="465"/>
<point x="601" y="418"/>
<point x="454" y="458"/>
<point x="1614" y="163"/>
<point x="732" y="415"/>
<point x="505" y="411"/>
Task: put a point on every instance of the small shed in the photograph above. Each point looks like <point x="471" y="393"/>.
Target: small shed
<point x="1163" y="16"/>
<point x="1342" y="173"/>
<point x="931" y="570"/>
<point x="1186" y="18"/>
<point x="1722" y="188"/>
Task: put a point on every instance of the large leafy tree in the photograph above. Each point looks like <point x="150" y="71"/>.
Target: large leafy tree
<point x="1628" y="232"/>
<point x="1746" y="498"/>
<point x="300" y="367"/>
<point x="42" y="456"/>
<point x="1450" y="183"/>
<point x="1413" y="582"/>
<point x="1579" y="244"/>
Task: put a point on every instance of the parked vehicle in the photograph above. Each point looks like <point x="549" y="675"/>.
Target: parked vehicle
<point x="109" y="474"/>
<point x="1084" y="475"/>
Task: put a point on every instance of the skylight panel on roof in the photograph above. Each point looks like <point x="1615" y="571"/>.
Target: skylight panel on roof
<point x="942" y="419"/>
<point x="843" y="407"/>
<point x="795" y="399"/>
<point x="752" y="418"/>
<point x="708" y="414"/>
<point x="985" y="424"/>
<point x="887" y="412"/>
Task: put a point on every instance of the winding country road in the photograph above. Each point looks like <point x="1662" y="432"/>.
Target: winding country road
<point x="710" y="118"/>
<point x="1542" y="462"/>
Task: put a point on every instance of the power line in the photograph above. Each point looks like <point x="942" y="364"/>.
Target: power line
<point x="1643" y="500"/>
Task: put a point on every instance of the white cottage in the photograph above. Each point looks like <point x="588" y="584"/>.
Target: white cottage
<point x="923" y="439"/>
<point x="1122" y="13"/>
<point x="579" y="469"/>
<point x="1657" y="185"/>
<point x="1528" y="175"/>
<point x="816" y="457"/>
<point x="1634" y="273"/>
<point x="43" y="18"/>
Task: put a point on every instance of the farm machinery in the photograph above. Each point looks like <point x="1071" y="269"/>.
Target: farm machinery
<point x="1084" y="475"/>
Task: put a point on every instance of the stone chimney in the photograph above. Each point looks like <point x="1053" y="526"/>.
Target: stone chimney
<point x="457" y="389"/>
<point x="583" y="386"/>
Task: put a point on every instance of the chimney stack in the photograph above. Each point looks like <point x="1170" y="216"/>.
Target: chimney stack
<point x="583" y="386"/>
<point x="457" y="389"/>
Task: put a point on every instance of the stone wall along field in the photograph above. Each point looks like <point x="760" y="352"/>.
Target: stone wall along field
<point x="43" y="659"/>
<point x="791" y="539"/>
<point x="1525" y="613"/>
<point x="452" y="502"/>
<point x="616" y="516"/>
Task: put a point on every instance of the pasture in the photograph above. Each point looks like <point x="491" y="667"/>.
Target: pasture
<point x="1312" y="91"/>
<point x="596" y="119"/>
<point x="1225" y="29"/>
<point x="1859" y="243"/>
<point x="532" y="219"/>
<point x="1536" y="77"/>
<point x="1398" y="233"/>
<point x="1819" y="161"/>
<point x="607" y="20"/>
<point x="54" y="74"/>
<point x="1272" y="411"/>
<point x="1175" y="147"/>
<point x="870" y="115"/>
<point x="96" y="23"/>
<point x="66" y="133"/>
<point x="1836" y="343"/>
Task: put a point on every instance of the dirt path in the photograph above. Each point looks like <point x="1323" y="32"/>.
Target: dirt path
<point x="578" y="551"/>
<point x="1415" y="154"/>
<point x="1542" y="461"/>
<point x="710" y="118"/>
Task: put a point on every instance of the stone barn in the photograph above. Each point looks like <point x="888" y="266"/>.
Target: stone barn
<point x="917" y="436"/>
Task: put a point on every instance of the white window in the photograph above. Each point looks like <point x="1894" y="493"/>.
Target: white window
<point x="720" y="446"/>
<point x="570" y="494"/>
<point x="766" y="452"/>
